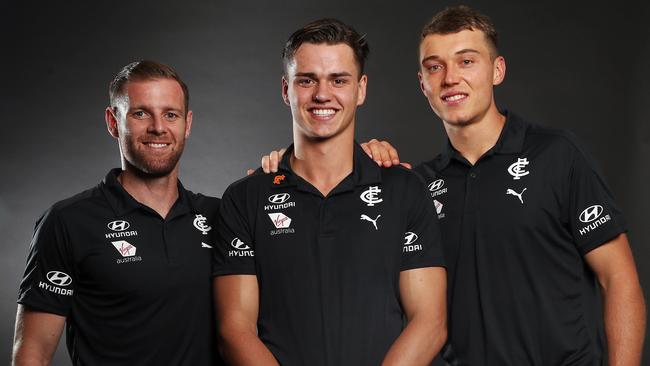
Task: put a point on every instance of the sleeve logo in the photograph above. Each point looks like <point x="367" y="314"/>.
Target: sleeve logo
<point x="59" y="278"/>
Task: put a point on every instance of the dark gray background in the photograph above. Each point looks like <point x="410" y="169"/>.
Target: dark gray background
<point x="581" y="67"/>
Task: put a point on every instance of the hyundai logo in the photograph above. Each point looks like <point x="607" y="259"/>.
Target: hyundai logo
<point x="410" y="238"/>
<point x="59" y="278"/>
<point x="238" y="244"/>
<point x="591" y="213"/>
<point x="118" y="225"/>
<point x="279" y="198"/>
<point x="436" y="185"/>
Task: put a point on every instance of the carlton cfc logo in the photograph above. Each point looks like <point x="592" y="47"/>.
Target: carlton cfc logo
<point x="591" y="213"/>
<point x="279" y="198"/>
<point x="59" y="278"/>
<point x="436" y="185"/>
<point x="118" y="225"/>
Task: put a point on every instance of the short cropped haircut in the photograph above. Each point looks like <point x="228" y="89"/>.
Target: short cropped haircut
<point x="141" y="71"/>
<point x="331" y="32"/>
<point x="458" y="18"/>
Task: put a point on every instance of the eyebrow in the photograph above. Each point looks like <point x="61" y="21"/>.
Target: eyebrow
<point x="461" y="52"/>
<point x="312" y="75"/>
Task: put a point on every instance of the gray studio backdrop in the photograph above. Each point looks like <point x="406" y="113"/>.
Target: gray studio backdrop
<point x="581" y="68"/>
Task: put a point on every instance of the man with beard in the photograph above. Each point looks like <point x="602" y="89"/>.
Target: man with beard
<point x="126" y="264"/>
<point x="528" y="223"/>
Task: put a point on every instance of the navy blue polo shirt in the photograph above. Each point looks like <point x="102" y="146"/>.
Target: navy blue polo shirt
<point x="135" y="288"/>
<point x="516" y="226"/>
<point x="328" y="267"/>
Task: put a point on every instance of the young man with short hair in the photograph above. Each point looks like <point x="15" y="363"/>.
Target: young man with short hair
<point x="317" y="264"/>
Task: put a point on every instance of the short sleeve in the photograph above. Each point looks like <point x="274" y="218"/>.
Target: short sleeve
<point x="48" y="282"/>
<point x="234" y="252"/>
<point x="594" y="217"/>
<point x="422" y="246"/>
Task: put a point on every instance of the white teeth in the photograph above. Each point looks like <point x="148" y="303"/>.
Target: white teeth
<point x="158" y="146"/>
<point x="323" y="112"/>
<point x="454" y="98"/>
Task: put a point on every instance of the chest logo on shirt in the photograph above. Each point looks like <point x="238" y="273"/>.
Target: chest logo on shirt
<point x="371" y="196"/>
<point x="118" y="225"/>
<point x="592" y="215"/>
<point x="200" y="224"/>
<point x="438" y="205"/>
<point x="374" y="222"/>
<point x="409" y="242"/>
<point x="518" y="195"/>
<point x="518" y="169"/>
<point x="127" y="251"/>
<point x="436" y="187"/>
<point x="281" y="222"/>
<point x="242" y="249"/>
<point x="279" y="202"/>
<point x="119" y="229"/>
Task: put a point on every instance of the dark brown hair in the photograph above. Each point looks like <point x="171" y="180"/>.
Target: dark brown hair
<point x="143" y="70"/>
<point x="331" y="32"/>
<point x="458" y="18"/>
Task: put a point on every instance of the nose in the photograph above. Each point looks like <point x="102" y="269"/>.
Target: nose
<point x="157" y="125"/>
<point x="451" y="75"/>
<point x="321" y="93"/>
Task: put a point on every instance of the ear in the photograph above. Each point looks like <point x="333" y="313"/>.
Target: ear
<point x="188" y="123"/>
<point x="111" y="122"/>
<point x="499" y="70"/>
<point x="363" y="83"/>
<point x="285" y="90"/>
<point x="421" y="83"/>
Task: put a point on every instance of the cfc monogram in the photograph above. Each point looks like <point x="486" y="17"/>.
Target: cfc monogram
<point x="371" y="196"/>
<point x="518" y="169"/>
<point x="199" y="224"/>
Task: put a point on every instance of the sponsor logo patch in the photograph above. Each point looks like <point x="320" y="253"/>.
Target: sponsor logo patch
<point x="436" y="187"/>
<point x="57" y="280"/>
<point x="127" y="251"/>
<point x="518" y="195"/>
<point x="593" y="216"/>
<point x="242" y="249"/>
<point x="409" y="242"/>
<point x="118" y="225"/>
<point x="279" y="198"/>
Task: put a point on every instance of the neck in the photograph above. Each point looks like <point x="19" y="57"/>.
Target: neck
<point x="323" y="163"/>
<point x="157" y="193"/>
<point x="474" y="139"/>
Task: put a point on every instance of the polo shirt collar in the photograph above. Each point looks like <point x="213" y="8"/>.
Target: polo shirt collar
<point x="511" y="141"/>
<point x="364" y="171"/>
<point x="122" y="202"/>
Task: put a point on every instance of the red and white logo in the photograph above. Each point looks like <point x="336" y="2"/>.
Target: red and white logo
<point x="124" y="247"/>
<point x="280" y="220"/>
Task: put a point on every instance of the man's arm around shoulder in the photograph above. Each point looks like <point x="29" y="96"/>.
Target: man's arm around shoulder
<point x="423" y="295"/>
<point x="36" y="336"/>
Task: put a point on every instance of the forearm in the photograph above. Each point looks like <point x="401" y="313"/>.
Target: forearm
<point x="418" y="343"/>
<point x="23" y="356"/>
<point x="241" y="348"/>
<point x="625" y="322"/>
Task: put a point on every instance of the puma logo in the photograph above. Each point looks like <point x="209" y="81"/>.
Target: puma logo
<point x="512" y="192"/>
<point x="374" y="222"/>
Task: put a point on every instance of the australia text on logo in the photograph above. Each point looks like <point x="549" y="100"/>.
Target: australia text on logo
<point x="409" y="239"/>
<point x="371" y="196"/>
<point x="242" y="249"/>
<point x="279" y="202"/>
<point x="518" y="169"/>
<point x="436" y="188"/>
<point x="57" y="278"/>
<point x="127" y="250"/>
<point x="199" y="224"/>
<point x="592" y="215"/>
<point x="281" y="222"/>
